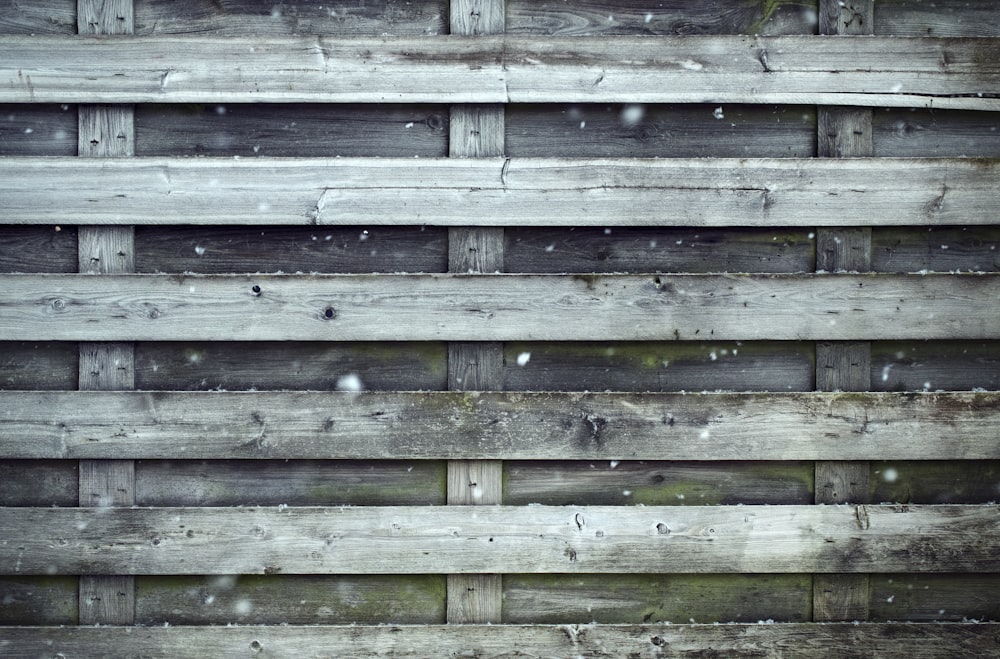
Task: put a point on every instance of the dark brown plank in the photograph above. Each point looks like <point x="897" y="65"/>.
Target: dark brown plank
<point x="291" y="249"/>
<point x="289" y="483"/>
<point x="290" y="599"/>
<point x="666" y="131"/>
<point x="660" y="366"/>
<point x="38" y="365"/>
<point x="657" y="483"/>
<point x="935" y="481"/>
<point x="321" y="366"/>
<point x="291" y="130"/>
<point x="609" y="17"/>
<point x="638" y="599"/>
<point x="927" y="597"/>
<point x="38" y="249"/>
<point x="631" y="249"/>
<point x="242" y="17"/>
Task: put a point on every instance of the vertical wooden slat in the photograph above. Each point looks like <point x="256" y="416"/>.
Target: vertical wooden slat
<point x="106" y="131"/>
<point x="843" y="366"/>
<point x="476" y="131"/>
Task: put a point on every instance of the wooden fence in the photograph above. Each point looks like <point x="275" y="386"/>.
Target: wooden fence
<point x="499" y="328"/>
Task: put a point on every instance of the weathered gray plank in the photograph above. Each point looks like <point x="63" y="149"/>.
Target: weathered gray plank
<point x="877" y="71"/>
<point x="291" y="483"/>
<point x="657" y="483"/>
<point x="972" y="18"/>
<point x="910" y="133"/>
<point x="927" y="597"/>
<point x="318" y="366"/>
<point x="37" y="365"/>
<point x="223" y="250"/>
<point x="531" y="426"/>
<point x="612" y="17"/>
<point x="932" y="481"/>
<point x="37" y="601"/>
<point x="37" y="130"/>
<point x="39" y="483"/>
<point x="38" y="17"/>
<point x="950" y="366"/>
<point x="290" y="600"/>
<point x="940" y="249"/>
<point x="291" y="130"/>
<point x="38" y="249"/>
<point x="500" y="539"/>
<point x="499" y="307"/>
<point x="243" y="17"/>
<point x="660" y="366"/>
<point x="501" y="192"/>
<point x="917" y="641"/>
<point x="642" y="599"/>
<point x="665" y="131"/>
<point x="668" y="249"/>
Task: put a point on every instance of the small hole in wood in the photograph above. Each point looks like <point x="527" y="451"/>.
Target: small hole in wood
<point x="255" y="289"/>
<point x="330" y="313"/>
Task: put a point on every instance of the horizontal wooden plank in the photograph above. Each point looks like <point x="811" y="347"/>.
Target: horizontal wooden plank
<point x="501" y="192"/>
<point x="869" y="71"/>
<point x="935" y="365"/>
<point x="509" y="426"/>
<point x="498" y="307"/>
<point x="500" y="539"/>
<point x="953" y="18"/>
<point x="741" y="641"/>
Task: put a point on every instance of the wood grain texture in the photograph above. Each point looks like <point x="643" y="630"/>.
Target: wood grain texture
<point x="918" y="641"/>
<point x="960" y="18"/>
<point x="290" y="483"/>
<point x="659" y="483"/>
<point x="539" y="426"/>
<point x="501" y="192"/>
<point x="40" y="17"/>
<point x="929" y="133"/>
<point x="39" y="483"/>
<point x="290" y="599"/>
<point x="648" y="598"/>
<point x="499" y="307"/>
<point x="502" y="539"/>
<point x="301" y="131"/>
<point x="673" y="17"/>
<point x="873" y="72"/>
<point x="38" y="130"/>
<point x="39" y="601"/>
<point x="224" y="250"/>
<point x="666" y="131"/>
<point x="938" y="249"/>
<point x="282" y="365"/>
<point x="242" y="17"/>
<point x="950" y="366"/>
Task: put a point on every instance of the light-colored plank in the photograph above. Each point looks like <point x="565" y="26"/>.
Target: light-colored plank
<point x="874" y="72"/>
<point x="915" y="641"/>
<point x="516" y="426"/>
<point x="499" y="307"/>
<point x="501" y="192"/>
<point x="501" y="539"/>
<point x="843" y="132"/>
<point x="106" y="131"/>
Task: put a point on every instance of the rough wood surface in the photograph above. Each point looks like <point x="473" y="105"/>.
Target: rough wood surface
<point x="290" y="600"/>
<point x="929" y="133"/>
<point x="38" y="130"/>
<point x="223" y="250"/>
<point x="958" y="18"/>
<point x="672" y="17"/>
<point x="950" y="366"/>
<point x="918" y="641"/>
<point x="499" y="307"/>
<point x="938" y="249"/>
<point x="38" y="601"/>
<point x="242" y="17"/>
<point x="502" y="539"/>
<point x="665" y="131"/>
<point x="643" y="599"/>
<point x="501" y="192"/>
<point x="194" y="425"/>
<point x="659" y="483"/>
<point x="39" y="365"/>
<point x="873" y="72"/>
<point x="39" y="17"/>
<point x="301" y="131"/>
<point x="39" y="483"/>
